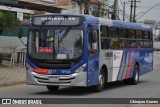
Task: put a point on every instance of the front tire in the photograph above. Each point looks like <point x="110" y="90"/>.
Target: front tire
<point x="101" y="85"/>
<point x="52" y="88"/>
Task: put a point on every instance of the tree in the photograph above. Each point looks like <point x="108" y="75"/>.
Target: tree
<point x="8" y="21"/>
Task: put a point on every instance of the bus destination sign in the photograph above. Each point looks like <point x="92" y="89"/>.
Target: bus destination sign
<point x="56" y="20"/>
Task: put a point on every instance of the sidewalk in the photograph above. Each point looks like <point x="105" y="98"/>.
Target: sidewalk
<point x="12" y="75"/>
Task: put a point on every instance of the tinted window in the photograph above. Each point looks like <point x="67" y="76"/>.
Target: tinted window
<point x="139" y="43"/>
<point x="105" y="43"/>
<point x="122" y="33"/>
<point x="147" y="44"/>
<point x="131" y="44"/>
<point x="92" y="44"/>
<point x="114" y="43"/>
<point x="139" y="34"/>
<point x="122" y="43"/>
<point x="146" y="35"/>
<point x="104" y="31"/>
<point x="131" y="33"/>
<point x="113" y="32"/>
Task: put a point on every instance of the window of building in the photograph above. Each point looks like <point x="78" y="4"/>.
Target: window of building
<point x="27" y="16"/>
<point x="14" y="14"/>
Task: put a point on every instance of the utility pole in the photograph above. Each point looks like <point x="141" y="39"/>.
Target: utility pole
<point x="124" y="6"/>
<point x="131" y="10"/>
<point x="134" y="15"/>
<point x="86" y="7"/>
<point x="99" y="10"/>
<point x="114" y="13"/>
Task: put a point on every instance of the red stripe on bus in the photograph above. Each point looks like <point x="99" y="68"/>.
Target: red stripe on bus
<point x="40" y="70"/>
<point x="129" y="66"/>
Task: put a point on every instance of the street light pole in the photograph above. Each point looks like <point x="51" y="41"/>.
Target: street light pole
<point x="134" y="14"/>
<point x="148" y="10"/>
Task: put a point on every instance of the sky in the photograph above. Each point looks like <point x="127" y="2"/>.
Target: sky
<point x="142" y="7"/>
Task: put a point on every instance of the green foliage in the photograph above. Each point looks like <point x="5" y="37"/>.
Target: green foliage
<point x="8" y="20"/>
<point x="1" y="59"/>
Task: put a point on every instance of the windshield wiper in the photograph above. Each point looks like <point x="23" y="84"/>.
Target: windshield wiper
<point x="64" y="34"/>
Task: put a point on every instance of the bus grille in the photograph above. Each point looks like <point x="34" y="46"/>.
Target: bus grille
<point x="61" y="80"/>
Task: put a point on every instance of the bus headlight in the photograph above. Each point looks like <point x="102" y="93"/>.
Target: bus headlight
<point x="80" y="69"/>
<point x="29" y="68"/>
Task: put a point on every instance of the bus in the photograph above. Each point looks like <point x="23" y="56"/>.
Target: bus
<point x="83" y="50"/>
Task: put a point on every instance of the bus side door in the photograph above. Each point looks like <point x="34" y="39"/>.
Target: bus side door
<point x="93" y="57"/>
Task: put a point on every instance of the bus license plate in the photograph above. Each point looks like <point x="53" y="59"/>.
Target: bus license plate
<point x="54" y="79"/>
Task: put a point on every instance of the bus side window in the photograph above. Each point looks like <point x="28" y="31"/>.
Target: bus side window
<point x="92" y="39"/>
<point x="113" y="32"/>
<point x="105" y="43"/>
<point x="114" y="38"/>
<point x="150" y="39"/>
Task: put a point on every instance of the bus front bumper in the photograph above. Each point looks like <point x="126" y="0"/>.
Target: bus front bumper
<point x="76" y="79"/>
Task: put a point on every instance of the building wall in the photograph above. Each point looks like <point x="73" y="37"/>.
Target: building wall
<point x="9" y="39"/>
<point x="19" y="11"/>
<point x="94" y="7"/>
<point x="73" y="7"/>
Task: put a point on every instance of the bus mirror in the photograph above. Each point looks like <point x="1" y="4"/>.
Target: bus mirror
<point x="20" y="33"/>
<point x="94" y="36"/>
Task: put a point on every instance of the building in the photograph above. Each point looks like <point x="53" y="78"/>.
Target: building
<point x="23" y="10"/>
<point x="92" y="7"/>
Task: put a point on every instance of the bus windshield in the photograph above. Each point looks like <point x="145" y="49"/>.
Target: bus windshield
<point x="55" y="44"/>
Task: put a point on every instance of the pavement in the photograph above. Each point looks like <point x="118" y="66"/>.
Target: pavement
<point x="11" y="75"/>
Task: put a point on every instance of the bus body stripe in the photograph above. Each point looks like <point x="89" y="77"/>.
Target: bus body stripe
<point x="129" y="66"/>
<point x="122" y="66"/>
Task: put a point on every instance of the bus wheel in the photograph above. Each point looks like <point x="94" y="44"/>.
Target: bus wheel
<point x="52" y="88"/>
<point x="101" y="84"/>
<point x="135" y="79"/>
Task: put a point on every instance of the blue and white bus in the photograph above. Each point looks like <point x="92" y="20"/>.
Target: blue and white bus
<point x="83" y="50"/>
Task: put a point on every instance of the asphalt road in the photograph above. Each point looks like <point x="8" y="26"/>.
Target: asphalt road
<point x="148" y="87"/>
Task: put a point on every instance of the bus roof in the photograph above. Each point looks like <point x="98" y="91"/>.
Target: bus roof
<point x="122" y="24"/>
<point x="109" y="22"/>
<point x="64" y="14"/>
